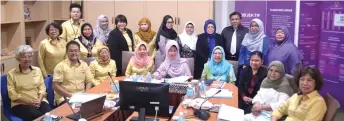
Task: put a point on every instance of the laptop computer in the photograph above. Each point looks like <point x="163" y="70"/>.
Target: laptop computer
<point x="88" y="109"/>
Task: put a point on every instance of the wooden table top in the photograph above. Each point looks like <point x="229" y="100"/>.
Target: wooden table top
<point x="64" y="110"/>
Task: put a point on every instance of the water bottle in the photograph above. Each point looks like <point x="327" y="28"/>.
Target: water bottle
<point x="47" y="117"/>
<point x="135" y="78"/>
<point x="202" y="89"/>
<point x="149" y="78"/>
<point x="181" y="117"/>
<point x="190" y="92"/>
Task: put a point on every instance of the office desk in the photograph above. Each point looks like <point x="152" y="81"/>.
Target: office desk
<point x="64" y="109"/>
<point x="110" y="115"/>
<point x="213" y="116"/>
<point x="228" y="101"/>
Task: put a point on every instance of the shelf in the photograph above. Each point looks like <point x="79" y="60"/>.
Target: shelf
<point x="10" y="22"/>
<point x="32" y="21"/>
<point x="7" y="57"/>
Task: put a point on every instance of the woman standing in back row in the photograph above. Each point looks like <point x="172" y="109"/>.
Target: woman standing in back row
<point x="102" y="29"/>
<point x="205" y="44"/>
<point x="165" y="34"/>
<point x="120" y="39"/>
<point x="146" y="35"/>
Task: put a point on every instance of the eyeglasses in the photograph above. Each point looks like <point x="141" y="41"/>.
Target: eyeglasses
<point x="170" y="22"/>
<point x="217" y="53"/>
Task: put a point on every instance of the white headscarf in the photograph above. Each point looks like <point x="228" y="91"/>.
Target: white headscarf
<point x="189" y="40"/>
<point x="100" y="33"/>
<point x="254" y="41"/>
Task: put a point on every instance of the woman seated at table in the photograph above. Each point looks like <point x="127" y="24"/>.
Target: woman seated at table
<point x="308" y="105"/>
<point x="141" y="63"/>
<point x="71" y="75"/>
<point x="173" y="65"/>
<point x="26" y="87"/>
<point x="250" y="80"/>
<point x="217" y="68"/>
<point x="89" y="43"/>
<point x="102" y="66"/>
<point x="274" y="90"/>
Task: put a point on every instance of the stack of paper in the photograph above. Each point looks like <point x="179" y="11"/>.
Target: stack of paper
<point x="223" y="94"/>
<point x="83" y="97"/>
<point x="181" y="79"/>
<point x="229" y="113"/>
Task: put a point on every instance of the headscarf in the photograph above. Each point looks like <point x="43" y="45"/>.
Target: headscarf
<point x="280" y="50"/>
<point x="100" y="33"/>
<point x="254" y="41"/>
<point x="219" y="68"/>
<point x="211" y="37"/>
<point x="98" y="56"/>
<point x="90" y="41"/>
<point x="141" y="61"/>
<point x="174" y="67"/>
<point x="189" y="40"/>
<point x="148" y="35"/>
<point x="281" y="84"/>
<point x="164" y="31"/>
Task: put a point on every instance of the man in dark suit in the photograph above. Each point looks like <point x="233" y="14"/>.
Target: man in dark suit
<point x="232" y="43"/>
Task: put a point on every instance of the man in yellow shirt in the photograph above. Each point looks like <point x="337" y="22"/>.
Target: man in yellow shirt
<point x="71" y="28"/>
<point x="71" y="75"/>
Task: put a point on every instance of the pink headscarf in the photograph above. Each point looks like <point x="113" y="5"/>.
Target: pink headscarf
<point x="138" y="60"/>
<point x="175" y="66"/>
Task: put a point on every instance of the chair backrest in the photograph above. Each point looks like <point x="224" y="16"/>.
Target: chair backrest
<point x="332" y="106"/>
<point x="126" y="56"/>
<point x="6" y="100"/>
<point x="292" y="83"/>
<point x="48" y="81"/>
<point x="191" y="64"/>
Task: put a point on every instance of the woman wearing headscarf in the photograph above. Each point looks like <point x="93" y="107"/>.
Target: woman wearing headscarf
<point x="141" y="63"/>
<point x="102" y="29"/>
<point x="217" y="68"/>
<point x="274" y="91"/>
<point x="254" y="40"/>
<point x="206" y="42"/>
<point x="102" y="66"/>
<point x="188" y="40"/>
<point x="284" y="50"/>
<point x="173" y="65"/>
<point x="146" y="35"/>
<point x="165" y="34"/>
<point x="89" y="43"/>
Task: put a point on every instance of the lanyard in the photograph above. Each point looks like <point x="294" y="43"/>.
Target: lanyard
<point x="73" y="28"/>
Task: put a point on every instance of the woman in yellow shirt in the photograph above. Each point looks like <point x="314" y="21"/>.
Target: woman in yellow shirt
<point x="102" y="66"/>
<point x="26" y="87"/>
<point x="89" y="43"/>
<point x="52" y="50"/>
<point x="141" y="63"/>
<point x="146" y="35"/>
<point x="308" y="105"/>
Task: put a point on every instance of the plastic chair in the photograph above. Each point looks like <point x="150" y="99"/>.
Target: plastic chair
<point x="6" y="100"/>
<point x="48" y="81"/>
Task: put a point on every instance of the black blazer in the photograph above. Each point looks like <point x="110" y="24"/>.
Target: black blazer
<point x="117" y="43"/>
<point x="202" y="53"/>
<point x="246" y="77"/>
<point x="227" y="34"/>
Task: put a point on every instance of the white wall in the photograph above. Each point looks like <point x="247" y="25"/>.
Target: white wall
<point x="222" y="9"/>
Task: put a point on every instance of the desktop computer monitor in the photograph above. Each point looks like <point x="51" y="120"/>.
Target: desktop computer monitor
<point x="136" y="95"/>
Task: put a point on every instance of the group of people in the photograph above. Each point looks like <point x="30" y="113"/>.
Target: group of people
<point x="79" y="57"/>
